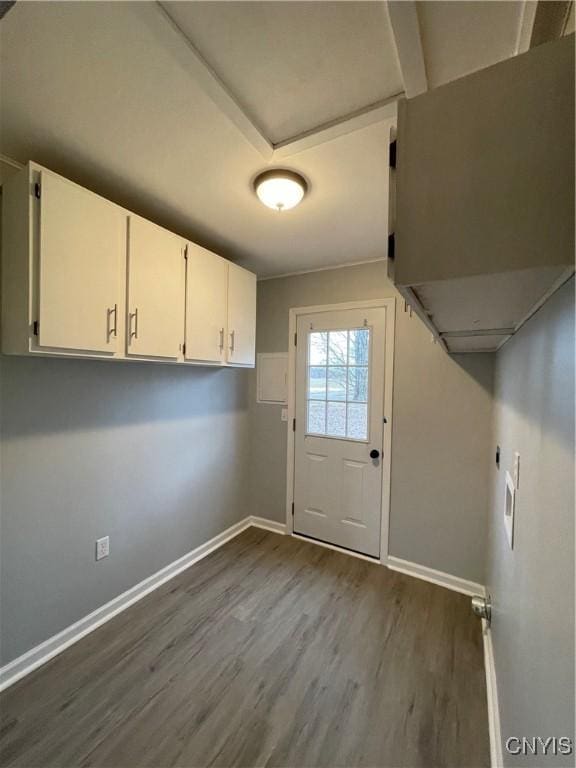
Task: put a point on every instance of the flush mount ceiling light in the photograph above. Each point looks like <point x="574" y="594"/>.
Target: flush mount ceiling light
<point x="280" y="189"/>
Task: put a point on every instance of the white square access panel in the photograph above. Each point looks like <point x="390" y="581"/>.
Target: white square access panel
<point x="272" y="378"/>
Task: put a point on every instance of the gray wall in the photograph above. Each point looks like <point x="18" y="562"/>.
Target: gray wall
<point x="152" y="455"/>
<point x="441" y="440"/>
<point x="533" y="585"/>
<point x="155" y="456"/>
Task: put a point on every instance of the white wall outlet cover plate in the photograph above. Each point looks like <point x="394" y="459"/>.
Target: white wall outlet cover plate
<point x="102" y="547"/>
<point x="509" y="505"/>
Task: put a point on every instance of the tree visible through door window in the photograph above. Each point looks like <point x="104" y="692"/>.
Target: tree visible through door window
<point x="337" y="383"/>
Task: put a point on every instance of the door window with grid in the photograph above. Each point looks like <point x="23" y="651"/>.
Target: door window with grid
<point x="337" y="383"/>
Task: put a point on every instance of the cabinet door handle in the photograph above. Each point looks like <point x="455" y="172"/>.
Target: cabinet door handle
<point x="232" y="337"/>
<point x="112" y="330"/>
<point x="221" y="339"/>
<point x="134" y="331"/>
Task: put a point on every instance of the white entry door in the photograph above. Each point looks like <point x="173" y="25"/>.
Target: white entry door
<point x="339" y="409"/>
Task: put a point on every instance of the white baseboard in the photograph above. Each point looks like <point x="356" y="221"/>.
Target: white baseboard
<point x="496" y="759"/>
<point x="436" y="577"/>
<point x="40" y="654"/>
<point x="267" y="525"/>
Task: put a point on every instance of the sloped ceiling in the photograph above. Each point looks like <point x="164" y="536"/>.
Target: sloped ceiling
<point x="172" y="109"/>
<point x="296" y="65"/>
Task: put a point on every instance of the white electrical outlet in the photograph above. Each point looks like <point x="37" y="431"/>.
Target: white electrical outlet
<point x="102" y="547"/>
<point x="284" y="414"/>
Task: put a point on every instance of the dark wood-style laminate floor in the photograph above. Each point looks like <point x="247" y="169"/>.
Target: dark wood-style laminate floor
<point x="270" y="652"/>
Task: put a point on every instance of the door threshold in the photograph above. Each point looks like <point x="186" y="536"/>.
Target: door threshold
<point x="336" y="548"/>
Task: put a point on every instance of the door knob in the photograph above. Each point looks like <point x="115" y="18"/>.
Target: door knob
<point x="374" y="454"/>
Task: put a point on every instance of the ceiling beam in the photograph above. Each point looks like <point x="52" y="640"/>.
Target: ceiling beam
<point x="550" y="21"/>
<point x="527" y="18"/>
<point x="541" y="22"/>
<point x="174" y="40"/>
<point x="375" y="113"/>
<point x="406" y="30"/>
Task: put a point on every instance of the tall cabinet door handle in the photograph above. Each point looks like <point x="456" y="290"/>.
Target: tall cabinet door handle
<point x="232" y="338"/>
<point x="112" y="330"/>
<point x="133" y="328"/>
<point x="221" y="339"/>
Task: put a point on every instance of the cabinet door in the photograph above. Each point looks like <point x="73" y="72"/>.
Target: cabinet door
<point x="156" y="274"/>
<point x="485" y="176"/>
<point x="206" y="295"/>
<point x="241" y="316"/>
<point x="82" y="247"/>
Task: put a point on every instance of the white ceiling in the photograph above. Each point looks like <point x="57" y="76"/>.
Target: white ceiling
<point x="116" y="97"/>
<point x="295" y="65"/>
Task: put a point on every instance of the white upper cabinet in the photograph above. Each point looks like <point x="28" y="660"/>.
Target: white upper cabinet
<point x="206" y="304"/>
<point x="241" y="343"/>
<point x="81" y="253"/>
<point x="83" y="277"/>
<point x="220" y="310"/>
<point x="156" y="275"/>
<point x="484" y="229"/>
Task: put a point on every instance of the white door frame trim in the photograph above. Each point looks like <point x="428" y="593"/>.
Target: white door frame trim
<point x="389" y="304"/>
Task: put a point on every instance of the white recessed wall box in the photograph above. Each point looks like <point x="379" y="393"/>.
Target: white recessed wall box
<point x="272" y="377"/>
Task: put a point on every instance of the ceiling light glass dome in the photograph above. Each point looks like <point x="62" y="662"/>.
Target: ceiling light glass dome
<point x="280" y="189"/>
